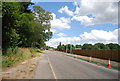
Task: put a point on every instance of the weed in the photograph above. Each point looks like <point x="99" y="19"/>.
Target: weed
<point x="16" y="55"/>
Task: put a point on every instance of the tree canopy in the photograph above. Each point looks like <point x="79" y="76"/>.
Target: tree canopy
<point x="86" y="46"/>
<point x="24" y="27"/>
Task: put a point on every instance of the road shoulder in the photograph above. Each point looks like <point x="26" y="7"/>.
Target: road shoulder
<point x="43" y="70"/>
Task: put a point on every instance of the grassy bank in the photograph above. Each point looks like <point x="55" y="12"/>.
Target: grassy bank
<point x="16" y="56"/>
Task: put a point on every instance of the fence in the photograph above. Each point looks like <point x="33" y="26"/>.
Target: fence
<point x="103" y="54"/>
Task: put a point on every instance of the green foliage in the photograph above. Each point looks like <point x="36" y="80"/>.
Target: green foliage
<point x="68" y="46"/>
<point x="97" y="46"/>
<point x="102" y="46"/>
<point x="78" y="46"/>
<point x="20" y="55"/>
<point x="22" y="27"/>
<point x="59" y="46"/>
<point x="10" y="15"/>
<point x="0" y="9"/>
<point x="48" y="47"/>
<point x="113" y="46"/>
<point x="87" y="47"/>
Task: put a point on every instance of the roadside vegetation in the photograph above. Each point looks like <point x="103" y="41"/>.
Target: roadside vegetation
<point x="17" y="55"/>
<point x="24" y="31"/>
<point x="97" y="46"/>
<point x="48" y="48"/>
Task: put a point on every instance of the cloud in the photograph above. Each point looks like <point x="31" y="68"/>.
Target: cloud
<point x="61" y="23"/>
<point x="65" y="20"/>
<point x="66" y="10"/>
<point x="85" y="20"/>
<point x="75" y="3"/>
<point x="102" y="12"/>
<point x="61" y="34"/>
<point x="53" y="31"/>
<point x="95" y="36"/>
<point x="58" y="24"/>
<point x="64" y="40"/>
<point x="100" y="36"/>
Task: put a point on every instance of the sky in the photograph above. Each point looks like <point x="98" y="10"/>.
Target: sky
<point x="80" y="22"/>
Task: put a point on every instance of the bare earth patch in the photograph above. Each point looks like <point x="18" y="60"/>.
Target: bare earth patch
<point x="25" y="70"/>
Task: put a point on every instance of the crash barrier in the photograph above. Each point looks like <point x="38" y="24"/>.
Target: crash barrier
<point x="102" y="54"/>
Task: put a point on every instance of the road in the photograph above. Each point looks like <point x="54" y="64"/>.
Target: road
<point x="55" y="65"/>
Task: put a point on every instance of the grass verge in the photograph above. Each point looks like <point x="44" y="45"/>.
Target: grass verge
<point x="16" y="56"/>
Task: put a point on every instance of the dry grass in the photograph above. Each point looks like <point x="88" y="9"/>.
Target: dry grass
<point x="21" y="55"/>
<point x="24" y="70"/>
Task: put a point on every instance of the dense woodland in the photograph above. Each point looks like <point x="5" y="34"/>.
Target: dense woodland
<point x="22" y="27"/>
<point x="97" y="46"/>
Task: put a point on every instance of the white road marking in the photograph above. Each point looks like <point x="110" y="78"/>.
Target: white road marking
<point x="52" y="68"/>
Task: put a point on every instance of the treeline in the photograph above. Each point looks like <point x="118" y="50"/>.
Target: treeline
<point x="48" y="47"/>
<point x="97" y="46"/>
<point x="23" y="27"/>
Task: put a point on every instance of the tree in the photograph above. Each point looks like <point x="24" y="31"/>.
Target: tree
<point x="102" y="46"/>
<point x="69" y="46"/>
<point x="10" y="18"/>
<point x="0" y="9"/>
<point x="59" y="46"/>
<point x="43" y="19"/>
<point x="21" y="27"/>
<point x="95" y="47"/>
<point x="113" y="46"/>
<point x="78" y="46"/>
<point x="87" y="47"/>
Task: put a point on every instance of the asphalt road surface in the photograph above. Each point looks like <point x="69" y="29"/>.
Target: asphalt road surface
<point x="55" y="65"/>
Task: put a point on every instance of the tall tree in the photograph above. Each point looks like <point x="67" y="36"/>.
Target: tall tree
<point x="10" y="18"/>
<point x="22" y="27"/>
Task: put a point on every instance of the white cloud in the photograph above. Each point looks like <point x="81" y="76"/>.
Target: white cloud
<point x="103" y="12"/>
<point x="66" y="10"/>
<point x="61" y="34"/>
<point x="95" y="36"/>
<point x="58" y="24"/>
<point x="85" y="20"/>
<point x="75" y="3"/>
<point x="62" y="23"/>
<point x="77" y="11"/>
<point x="64" y="40"/>
<point x="100" y="36"/>
<point x="53" y="31"/>
<point x="65" y="20"/>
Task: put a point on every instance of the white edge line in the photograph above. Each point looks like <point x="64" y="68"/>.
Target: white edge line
<point x="51" y="68"/>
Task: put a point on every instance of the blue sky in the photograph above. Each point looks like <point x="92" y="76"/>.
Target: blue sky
<point x="82" y="22"/>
